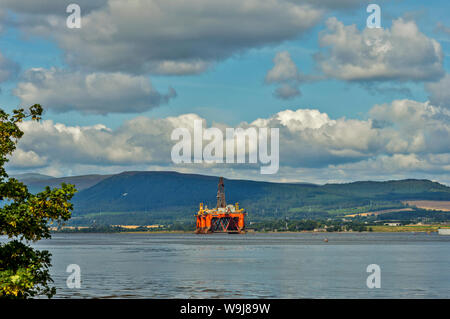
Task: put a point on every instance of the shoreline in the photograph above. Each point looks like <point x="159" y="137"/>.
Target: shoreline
<point x="431" y="230"/>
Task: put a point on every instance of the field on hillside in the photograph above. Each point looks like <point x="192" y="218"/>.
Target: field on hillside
<point x="379" y="212"/>
<point x="407" y="228"/>
<point x="430" y="204"/>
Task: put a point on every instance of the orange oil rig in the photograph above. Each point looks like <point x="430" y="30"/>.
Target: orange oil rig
<point x="222" y="219"/>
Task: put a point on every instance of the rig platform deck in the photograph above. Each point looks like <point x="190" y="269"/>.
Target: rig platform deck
<point x="222" y="219"/>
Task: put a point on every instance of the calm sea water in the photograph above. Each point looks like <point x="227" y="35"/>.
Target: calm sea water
<point x="251" y="266"/>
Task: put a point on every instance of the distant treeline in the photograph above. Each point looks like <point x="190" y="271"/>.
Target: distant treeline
<point x="297" y="221"/>
<point x="309" y="225"/>
<point x="91" y="229"/>
<point x="275" y="225"/>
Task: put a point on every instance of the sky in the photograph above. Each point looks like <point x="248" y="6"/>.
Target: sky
<point x="351" y="102"/>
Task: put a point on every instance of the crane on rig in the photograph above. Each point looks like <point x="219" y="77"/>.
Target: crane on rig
<point x="221" y="219"/>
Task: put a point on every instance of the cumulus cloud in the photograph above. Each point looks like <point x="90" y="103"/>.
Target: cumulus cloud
<point x="439" y="91"/>
<point x="309" y="138"/>
<point x="28" y="159"/>
<point x="170" y="37"/>
<point x="410" y="114"/>
<point x="283" y="70"/>
<point x="287" y="91"/>
<point x="286" y="74"/>
<point x="180" y="68"/>
<point x="141" y="140"/>
<point x="415" y="127"/>
<point x="404" y="138"/>
<point x="101" y="93"/>
<point x="402" y="53"/>
<point x="391" y="163"/>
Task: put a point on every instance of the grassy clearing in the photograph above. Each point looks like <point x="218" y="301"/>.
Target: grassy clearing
<point x="430" y="204"/>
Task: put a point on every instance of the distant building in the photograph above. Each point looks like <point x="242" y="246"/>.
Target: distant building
<point x="392" y="224"/>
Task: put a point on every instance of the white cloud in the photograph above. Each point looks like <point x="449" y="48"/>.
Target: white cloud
<point x="286" y="74"/>
<point x="89" y="145"/>
<point x="287" y="91"/>
<point x="417" y="127"/>
<point x="402" y="53"/>
<point x="389" y="164"/>
<point x="170" y="37"/>
<point x="101" y="93"/>
<point x="180" y="68"/>
<point x="283" y="70"/>
<point x="440" y="91"/>
<point x="298" y="120"/>
<point x="27" y="159"/>
<point x="402" y="139"/>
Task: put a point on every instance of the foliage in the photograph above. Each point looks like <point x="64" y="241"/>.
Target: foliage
<point x="24" y="218"/>
<point x="24" y="271"/>
<point x="307" y="225"/>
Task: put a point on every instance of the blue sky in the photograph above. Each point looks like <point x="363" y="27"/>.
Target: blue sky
<point x="232" y="89"/>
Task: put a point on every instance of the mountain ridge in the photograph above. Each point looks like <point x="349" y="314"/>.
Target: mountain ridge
<point x="168" y="195"/>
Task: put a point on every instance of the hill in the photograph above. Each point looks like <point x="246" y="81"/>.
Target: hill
<point x="37" y="182"/>
<point x="31" y="177"/>
<point x="152" y="197"/>
<point x="147" y="197"/>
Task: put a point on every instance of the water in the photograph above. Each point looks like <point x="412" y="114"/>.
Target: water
<point x="299" y="265"/>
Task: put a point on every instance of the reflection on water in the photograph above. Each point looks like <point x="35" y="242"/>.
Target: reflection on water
<point x="299" y="265"/>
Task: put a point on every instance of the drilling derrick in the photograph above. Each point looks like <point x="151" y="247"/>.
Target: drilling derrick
<point x="221" y="194"/>
<point x="222" y="219"/>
